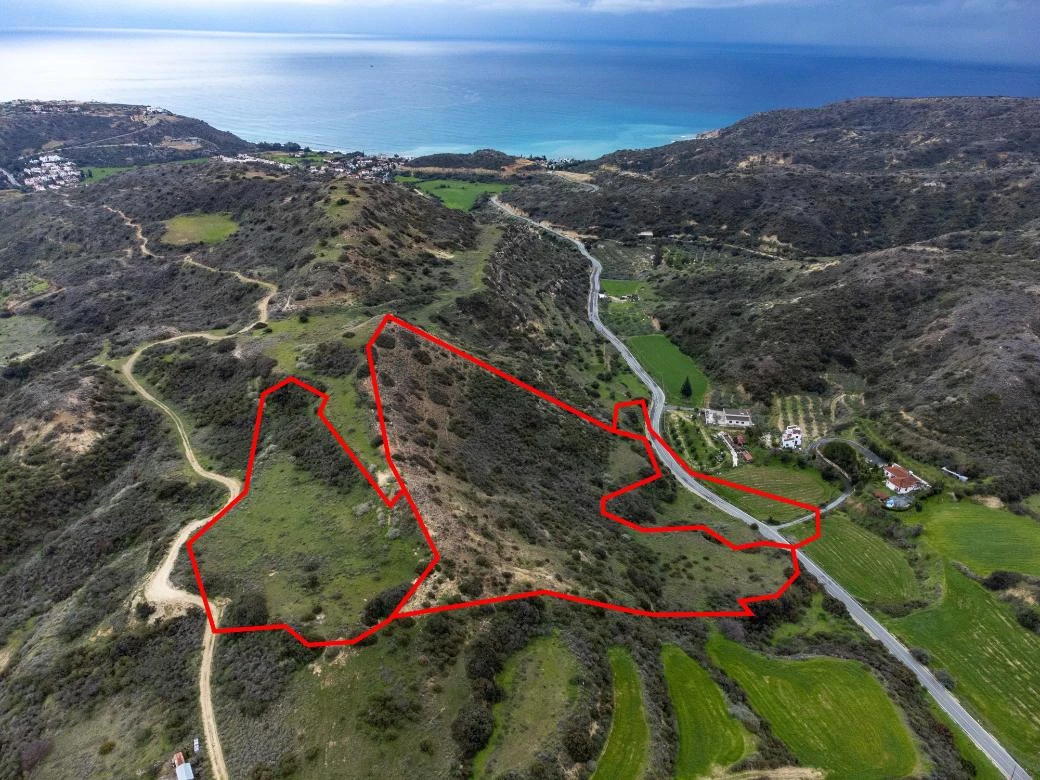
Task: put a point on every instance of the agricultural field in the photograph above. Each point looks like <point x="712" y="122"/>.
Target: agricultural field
<point x="623" y="262"/>
<point x="816" y="416"/>
<point x="994" y="662"/>
<point x="801" y="484"/>
<point x="99" y="174"/>
<point x="537" y="694"/>
<point x="22" y="334"/>
<point x="981" y="537"/>
<point x="870" y="568"/>
<point x="199" y="229"/>
<point x="832" y="714"/>
<point x="317" y="558"/>
<point x="691" y="439"/>
<point x="627" y="318"/>
<point x="620" y="287"/>
<point x="670" y="367"/>
<point x="709" y="737"/>
<point x="455" y="194"/>
<point x="627" y="750"/>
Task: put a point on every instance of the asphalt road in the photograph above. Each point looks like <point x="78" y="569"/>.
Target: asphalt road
<point x="985" y="741"/>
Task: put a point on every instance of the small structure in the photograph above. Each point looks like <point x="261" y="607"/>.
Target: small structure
<point x="645" y="234"/>
<point x="953" y="473"/>
<point x="182" y="767"/>
<point x="791" y="439"/>
<point x="901" y="480"/>
<point x="738" y="418"/>
<point x="747" y="456"/>
<point x="741" y="440"/>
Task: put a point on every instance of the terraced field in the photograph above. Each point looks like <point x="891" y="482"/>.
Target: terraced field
<point x="709" y="736"/>
<point x="982" y="538"/>
<point x="993" y="660"/>
<point x="863" y="562"/>
<point x="537" y="695"/>
<point x="832" y="714"/>
<point x="801" y="484"/>
<point x="628" y="743"/>
<point x="670" y="367"/>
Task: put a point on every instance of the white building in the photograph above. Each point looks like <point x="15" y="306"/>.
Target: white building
<point x="901" y="480"/>
<point x="737" y="418"/>
<point x="791" y="439"/>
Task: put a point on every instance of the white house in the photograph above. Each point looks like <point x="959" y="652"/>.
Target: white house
<point x="791" y="439"/>
<point x="738" y="418"/>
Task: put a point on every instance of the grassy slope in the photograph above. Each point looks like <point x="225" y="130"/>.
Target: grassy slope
<point x="994" y="661"/>
<point x="198" y="228"/>
<point x="23" y="333"/>
<point x="805" y="485"/>
<point x="863" y="562"/>
<point x="833" y="714"/>
<point x="537" y="696"/>
<point x="626" y="752"/>
<point x="272" y="544"/>
<point x="708" y="735"/>
<point x="670" y="367"/>
<point x="984" y="539"/>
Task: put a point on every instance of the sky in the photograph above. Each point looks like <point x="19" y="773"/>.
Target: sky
<point x="979" y="30"/>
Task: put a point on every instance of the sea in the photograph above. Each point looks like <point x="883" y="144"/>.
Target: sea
<point x="412" y="97"/>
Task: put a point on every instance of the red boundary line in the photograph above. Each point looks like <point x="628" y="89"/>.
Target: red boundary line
<point x="402" y="492"/>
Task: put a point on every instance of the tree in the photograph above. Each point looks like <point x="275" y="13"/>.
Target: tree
<point x="686" y="389"/>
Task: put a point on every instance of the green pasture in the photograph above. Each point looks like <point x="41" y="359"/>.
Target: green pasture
<point x="198" y="229"/>
<point x="670" y="367"/>
<point x="626" y="753"/>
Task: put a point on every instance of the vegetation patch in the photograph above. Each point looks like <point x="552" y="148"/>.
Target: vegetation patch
<point x="982" y="538"/>
<point x="627" y="750"/>
<point x="537" y="693"/>
<point x="620" y="287"/>
<point x="991" y="660"/>
<point x="453" y="193"/>
<point x="671" y="368"/>
<point x="832" y="714"/>
<point x="311" y="544"/>
<point x="22" y="334"/>
<point x="199" y="229"/>
<point x="870" y="568"/>
<point x="709" y="736"/>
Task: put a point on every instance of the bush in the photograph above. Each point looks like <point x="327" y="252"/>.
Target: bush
<point x="472" y="728"/>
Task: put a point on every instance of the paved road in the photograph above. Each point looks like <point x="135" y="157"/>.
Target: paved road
<point x="985" y="741"/>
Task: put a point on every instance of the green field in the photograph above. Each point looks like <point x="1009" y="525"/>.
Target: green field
<point x="627" y="319"/>
<point x="832" y="714"/>
<point x="670" y="367"/>
<point x="23" y="333"/>
<point x="994" y="661"/>
<point x="455" y="194"/>
<point x="98" y="174"/>
<point x="628" y="743"/>
<point x="801" y="484"/>
<point x="536" y="682"/>
<point x="316" y="554"/>
<point x="871" y="569"/>
<point x="199" y="229"/>
<point x="619" y="287"/>
<point x="708" y="735"/>
<point x="982" y="538"/>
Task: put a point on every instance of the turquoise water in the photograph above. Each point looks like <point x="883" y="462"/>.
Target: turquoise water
<point x="416" y="96"/>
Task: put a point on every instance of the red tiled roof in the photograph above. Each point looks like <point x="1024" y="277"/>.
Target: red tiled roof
<point x="900" y="477"/>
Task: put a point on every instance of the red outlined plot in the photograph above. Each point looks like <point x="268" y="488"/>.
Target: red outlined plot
<point x="402" y="493"/>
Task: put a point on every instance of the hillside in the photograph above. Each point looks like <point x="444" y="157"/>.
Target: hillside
<point x="143" y="317"/>
<point x="107" y="134"/>
<point x="887" y="239"/>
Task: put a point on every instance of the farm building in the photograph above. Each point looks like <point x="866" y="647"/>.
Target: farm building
<point x="791" y="439"/>
<point x="738" y="418"/>
<point x="747" y="456"/>
<point x="901" y="480"/>
<point x="183" y="768"/>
